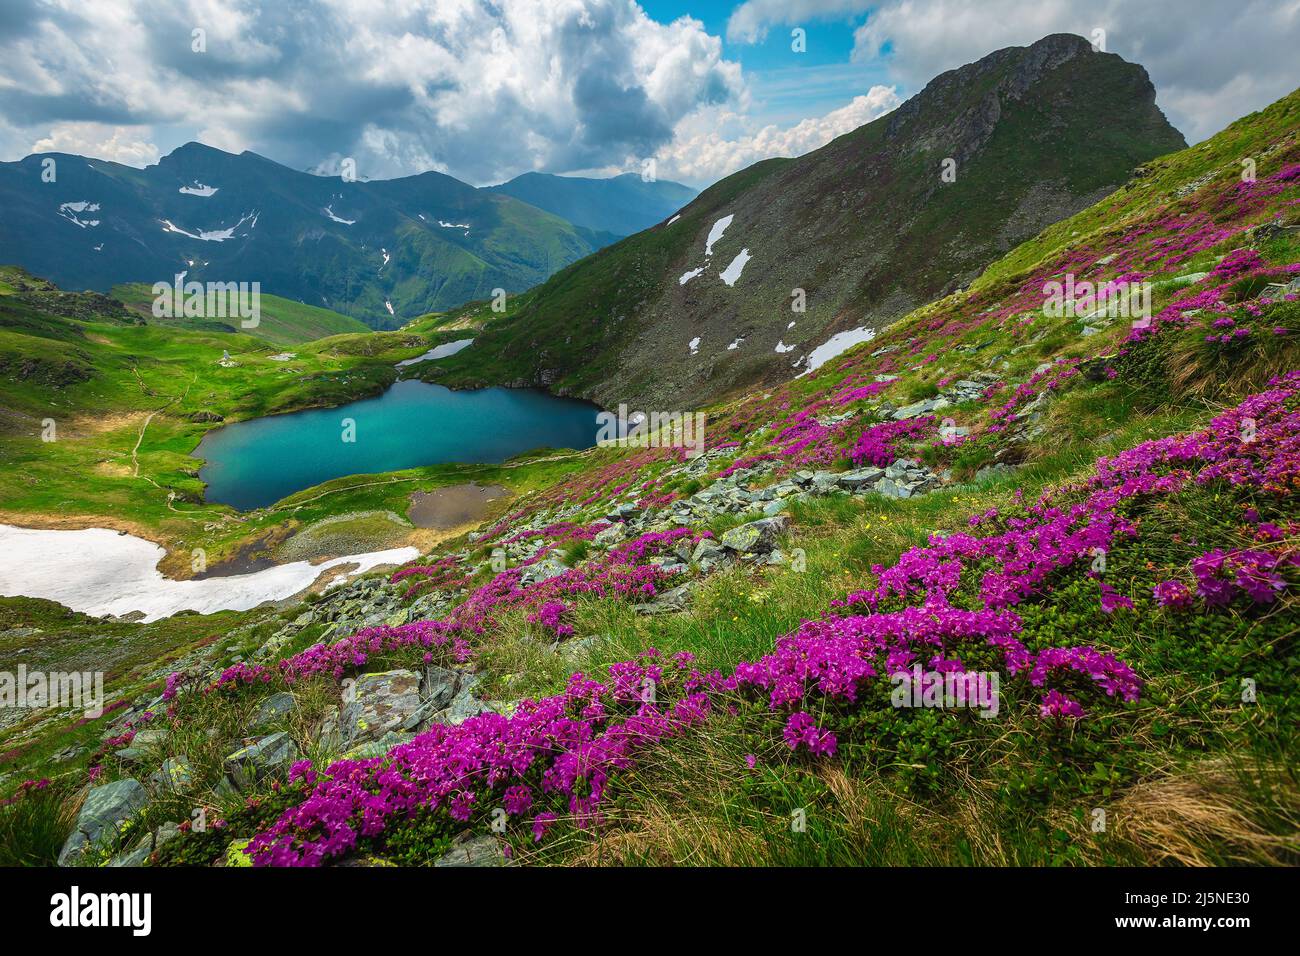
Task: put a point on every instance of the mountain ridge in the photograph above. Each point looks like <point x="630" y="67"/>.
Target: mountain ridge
<point x="865" y="226"/>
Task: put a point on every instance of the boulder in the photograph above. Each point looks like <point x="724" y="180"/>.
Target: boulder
<point x="173" y="776"/>
<point x="466" y="850"/>
<point x="272" y="710"/>
<point x="268" y="756"/>
<point x="105" y="810"/>
<point x="379" y="703"/>
<point x="860" y="478"/>
<point x="755" y="537"/>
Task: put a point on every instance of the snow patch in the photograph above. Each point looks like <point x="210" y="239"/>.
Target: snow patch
<point x="198" y="189"/>
<point x="736" y="344"/>
<point x="716" y="232"/>
<point x="329" y="212"/>
<point x="840" y="342"/>
<point x="389" y="306"/>
<point x="100" y="572"/>
<point x="71" y="212"/>
<point x="211" y="235"/>
<point x="732" y="272"/>
<point x="688" y="276"/>
<point x="694" y="345"/>
<point x="782" y="348"/>
<point x="673" y="220"/>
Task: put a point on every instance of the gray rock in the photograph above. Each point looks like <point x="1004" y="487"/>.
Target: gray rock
<point x="775" y="507"/>
<point x="671" y="601"/>
<point x="379" y="703"/>
<point x="610" y="536"/>
<point x="174" y="776"/>
<point x="266" y="757"/>
<point x="273" y="709"/>
<point x="923" y="407"/>
<point x="755" y="537"/>
<point x="860" y="478"/>
<point x="482" y="850"/>
<point x="105" y="810"/>
<point x="549" y="567"/>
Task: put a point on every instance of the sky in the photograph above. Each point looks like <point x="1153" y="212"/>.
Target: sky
<point x="690" y="90"/>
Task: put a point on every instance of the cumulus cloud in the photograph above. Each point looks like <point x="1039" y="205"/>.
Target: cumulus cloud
<point x="708" y="152"/>
<point x="482" y="89"/>
<point x="117" y="143"/>
<point x="1210" y="62"/>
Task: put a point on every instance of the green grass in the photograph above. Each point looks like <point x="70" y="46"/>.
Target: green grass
<point x="281" y="321"/>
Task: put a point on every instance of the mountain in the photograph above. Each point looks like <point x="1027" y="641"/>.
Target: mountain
<point x="380" y="251"/>
<point x="866" y="227"/>
<point x="621" y="205"/>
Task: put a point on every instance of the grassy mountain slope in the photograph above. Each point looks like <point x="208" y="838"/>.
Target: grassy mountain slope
<point x="1105" y="516"/>
<point x="416" y="244"/>
<point x="282" y="321"/>
<point x="865" y="226"/>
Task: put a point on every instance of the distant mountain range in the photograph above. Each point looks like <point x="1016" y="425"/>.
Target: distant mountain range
<point x="380" y="251"/>
<point x="860" y="232"/>
<point x="621" y="205"/>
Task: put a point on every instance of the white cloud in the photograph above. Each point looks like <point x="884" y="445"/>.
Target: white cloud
<point x="119" y="144"/>
<point x="707" y="152"/>
<point x="482" y="89"/>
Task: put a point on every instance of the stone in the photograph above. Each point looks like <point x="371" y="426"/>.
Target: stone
<point x="439" y="686"/>
<point x="923" y="407"/>
<point x="755" y="537"/>
<point x="377" y="748"/>
<point x="610" y="536"/>
<point x="266" y="757"/>
<point x="272" y="710"/>
<point x="106" y="808"/>
<point x="481" y="850"/>
<point x="668" y="602"/>
<point x="891" y="488"/>
<point x="549" y="567"/>
<point x="860" y="478"/>
<point x="775" y="507"/>
<point x="378" y="703"/>
<point x="173" y="776"/>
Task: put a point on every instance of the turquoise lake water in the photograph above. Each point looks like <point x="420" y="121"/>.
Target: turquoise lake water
<point x="256" y="463"/>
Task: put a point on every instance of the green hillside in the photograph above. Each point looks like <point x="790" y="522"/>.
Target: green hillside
<point x="282" y="321"/>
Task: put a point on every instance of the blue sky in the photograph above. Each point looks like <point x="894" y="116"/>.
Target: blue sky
<point x="487" y="89"/>
<point x="789" y="86"/>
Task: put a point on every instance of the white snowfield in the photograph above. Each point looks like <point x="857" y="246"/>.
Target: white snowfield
<point x="694" y="345"/>
<point x="673" y="220"/>
<point x="389" y="306"/>
<point x="716" y="232"/>
<point x="732" y="272"/>
<point x="735" y="344"/>
<point x="688" y="276"/>
<point x="99" y="572"/>
<point x="782" y="348"/>
<point x="71" y="211"/>
<point x="329" y="211"/>
<point x="837" y="343"/>
<point x="438" y="351"/>
<point x="199" y="189"/>
<point x="212" y="235"/>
